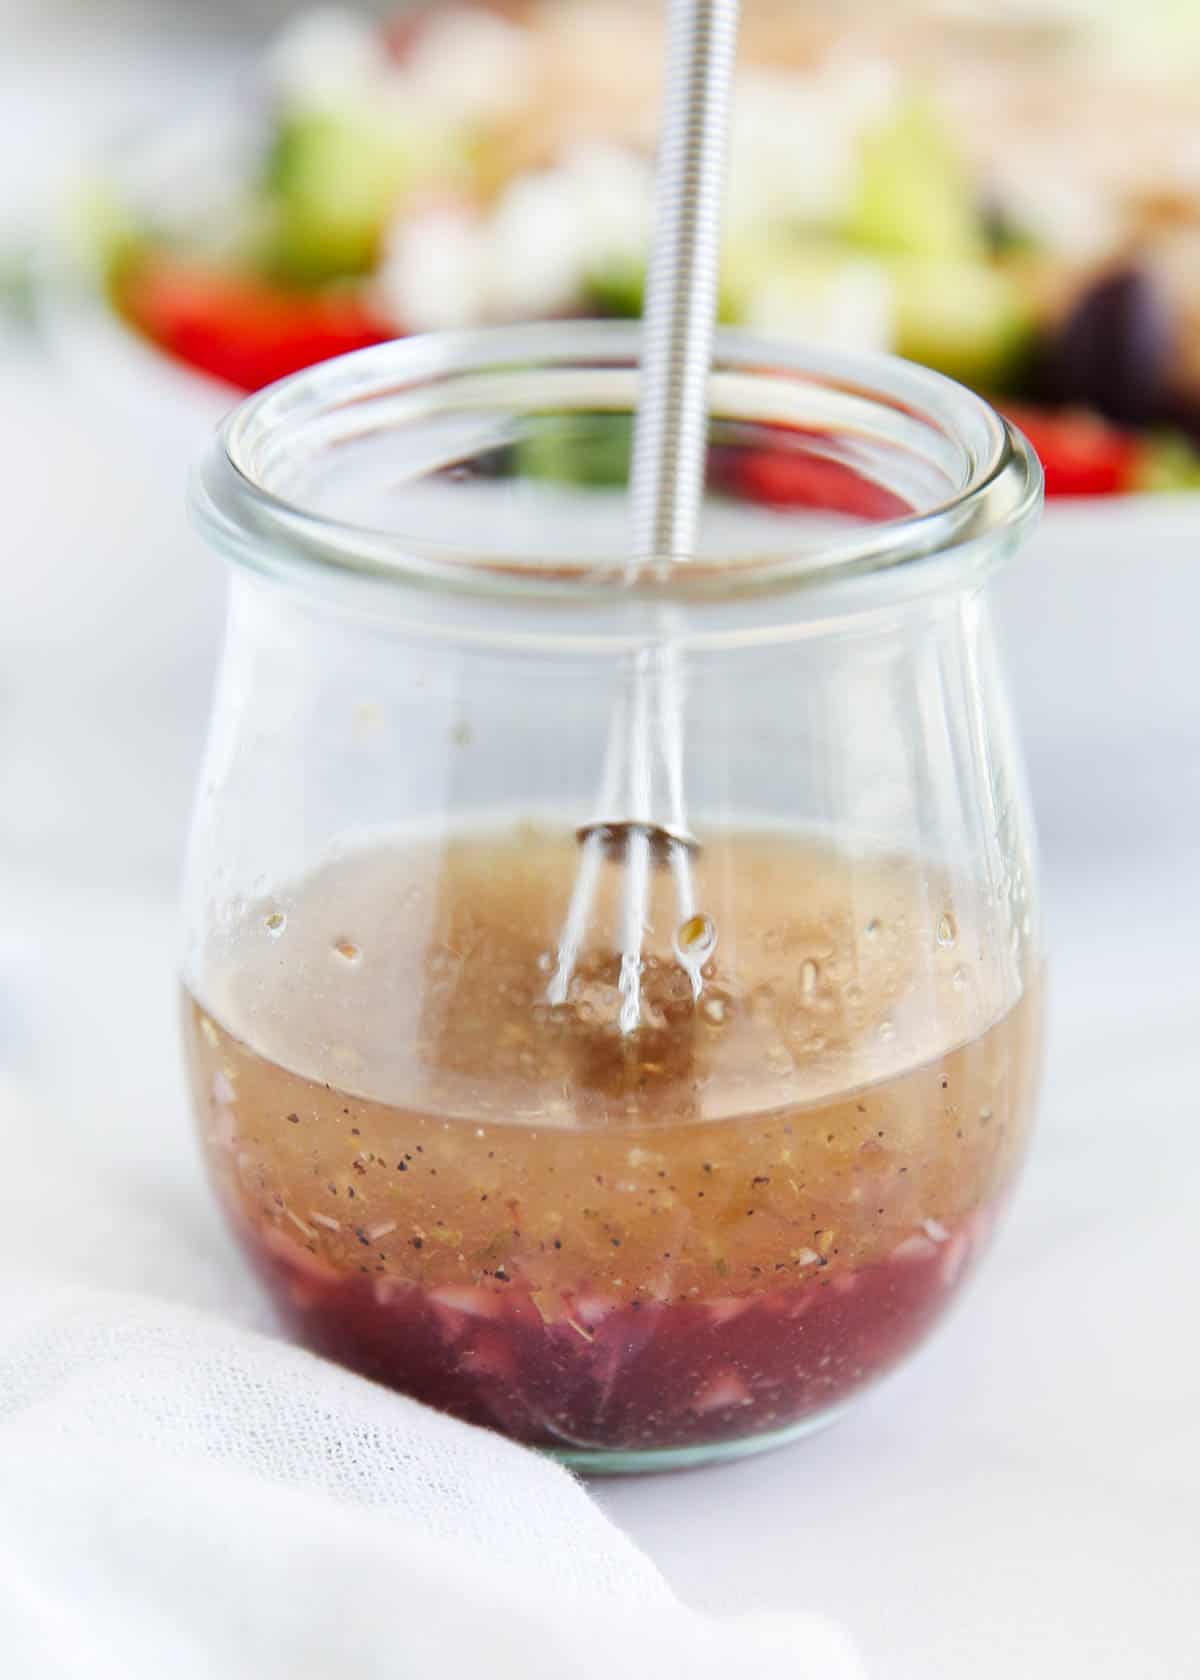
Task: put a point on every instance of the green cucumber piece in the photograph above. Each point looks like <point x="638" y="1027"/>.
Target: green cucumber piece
<point x="970" y="320"/>
<point x="914" y="193"/>
<point x="1169" y="461"/>
<point x="592" y="450"/>
<point x="334" y="181"/>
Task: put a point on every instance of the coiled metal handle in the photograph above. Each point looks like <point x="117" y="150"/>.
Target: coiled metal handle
<point x="671" y="430"/>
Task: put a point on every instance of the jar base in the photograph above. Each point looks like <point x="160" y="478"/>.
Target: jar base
<point x="649" y="1461"/>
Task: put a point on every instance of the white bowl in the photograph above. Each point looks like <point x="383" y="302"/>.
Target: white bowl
<point x="1099" y="624"/>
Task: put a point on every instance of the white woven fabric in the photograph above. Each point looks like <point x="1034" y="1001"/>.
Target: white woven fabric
<point x="184" y="1495"/>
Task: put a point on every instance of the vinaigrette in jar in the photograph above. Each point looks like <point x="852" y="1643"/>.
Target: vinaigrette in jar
<point x="715" y="1229"/>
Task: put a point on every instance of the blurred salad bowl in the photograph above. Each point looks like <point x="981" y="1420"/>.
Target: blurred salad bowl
<point x="491" y="162"/>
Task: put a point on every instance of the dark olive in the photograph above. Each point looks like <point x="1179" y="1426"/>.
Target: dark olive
<point x="1181" y="411"/>
<point x="1112" y="352"/>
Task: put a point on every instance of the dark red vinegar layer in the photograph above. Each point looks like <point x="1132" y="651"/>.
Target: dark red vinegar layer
<point x="595" y="1372"/>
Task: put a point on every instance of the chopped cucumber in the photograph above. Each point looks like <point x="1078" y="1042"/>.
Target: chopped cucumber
<point x="914" y="192"/>
<point x="335" y="180"/>
<point x="618" y="288"/>
<point x="1169" y="461"/>
<point x="586" y="449"/>
<point x="967" y="319"/>
<point x="100" y="234"/>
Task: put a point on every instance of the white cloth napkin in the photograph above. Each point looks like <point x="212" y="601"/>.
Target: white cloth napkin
<point x="184" y="1495"/>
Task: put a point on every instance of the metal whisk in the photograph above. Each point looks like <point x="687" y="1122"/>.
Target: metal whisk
<point x="640" y="815"/>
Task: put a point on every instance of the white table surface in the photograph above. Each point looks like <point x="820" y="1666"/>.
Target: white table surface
<point x="1023" y="1502"/>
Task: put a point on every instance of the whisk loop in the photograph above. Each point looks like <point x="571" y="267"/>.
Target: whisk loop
<point x="641" y="812"/>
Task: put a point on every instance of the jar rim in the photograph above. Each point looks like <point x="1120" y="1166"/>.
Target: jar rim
<point x="995" y="493"/>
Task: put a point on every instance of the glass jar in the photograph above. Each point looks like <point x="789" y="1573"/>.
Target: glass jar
<point x="692" y="1206"/>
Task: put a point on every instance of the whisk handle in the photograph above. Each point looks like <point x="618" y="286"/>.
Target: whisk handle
<point x="681" y="293"/>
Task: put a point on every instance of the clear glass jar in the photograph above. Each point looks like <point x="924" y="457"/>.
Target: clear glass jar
<point x="702" y="1232"/>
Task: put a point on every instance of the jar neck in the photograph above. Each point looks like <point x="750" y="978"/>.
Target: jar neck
<point x="476" y="483"/>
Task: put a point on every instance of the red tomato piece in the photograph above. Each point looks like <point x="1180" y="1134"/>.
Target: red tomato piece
<point x="240" y="329"/>
<point x="1081" y="455"/>
<point x="402" y="35"/>
<point x="788" y="478"/>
